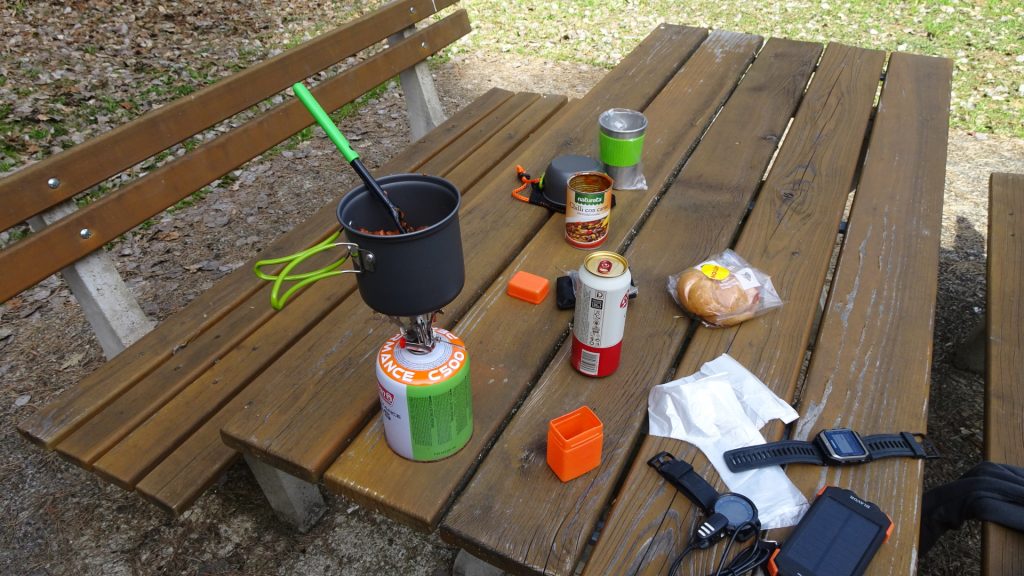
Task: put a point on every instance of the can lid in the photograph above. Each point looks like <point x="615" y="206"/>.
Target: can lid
<point x="605" y="264"/>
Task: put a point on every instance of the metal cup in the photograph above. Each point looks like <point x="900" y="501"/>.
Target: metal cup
<point x="622" y="143"/>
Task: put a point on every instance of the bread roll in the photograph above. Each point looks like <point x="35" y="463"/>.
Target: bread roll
<point x="719" y="302"/>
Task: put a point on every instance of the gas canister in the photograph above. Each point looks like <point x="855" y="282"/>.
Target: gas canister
<point x="425" y="398"/>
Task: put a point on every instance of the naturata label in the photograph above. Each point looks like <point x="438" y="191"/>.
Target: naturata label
<point x="589" y="199"/>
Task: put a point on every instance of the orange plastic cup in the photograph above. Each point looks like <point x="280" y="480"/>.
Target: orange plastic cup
<point x="574" y="443"/>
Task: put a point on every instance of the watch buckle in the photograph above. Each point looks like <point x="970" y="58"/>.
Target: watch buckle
<point x="922" y="445"/>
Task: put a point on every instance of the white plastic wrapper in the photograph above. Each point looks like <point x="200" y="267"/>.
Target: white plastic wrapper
<point x="724" y="290"/>
<point x="722" y="407"/>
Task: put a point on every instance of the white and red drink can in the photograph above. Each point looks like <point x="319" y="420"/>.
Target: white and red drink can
<point x="600" y="317"/>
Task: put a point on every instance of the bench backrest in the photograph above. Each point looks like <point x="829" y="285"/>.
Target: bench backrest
<point x="47" y="184"/>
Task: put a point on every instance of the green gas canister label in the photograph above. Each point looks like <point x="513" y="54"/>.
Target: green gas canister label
<point x="425" y="399"/>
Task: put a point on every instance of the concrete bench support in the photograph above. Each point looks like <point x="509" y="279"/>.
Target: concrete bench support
<point x="109" y="306"/>
<point x="295" y="501"/>
<point x="423" y="107"/>
<point x="468" y="565"/>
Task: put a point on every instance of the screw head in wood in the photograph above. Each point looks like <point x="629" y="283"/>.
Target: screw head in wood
<point x="53" y="182"/>
<point x="412" y="9"/>
<point x="85" y="233"/>
<point x="423" y="44"/>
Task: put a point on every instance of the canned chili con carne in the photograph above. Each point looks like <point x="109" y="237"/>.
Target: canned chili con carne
<point x="588" y="209"/>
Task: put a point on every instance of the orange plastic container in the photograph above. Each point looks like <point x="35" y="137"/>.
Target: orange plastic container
<point x="574" y="443"/>
<point x="529" y="287"/>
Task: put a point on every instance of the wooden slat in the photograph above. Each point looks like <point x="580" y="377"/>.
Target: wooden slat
<point x="1003" y="549"/>
<point x="60" y="244"/>
<point x="140" y="451"/>
<point x="452" y="156"/>
<point x="330" y="401"/>
<point x="186" y="471"/>
<point x="104" y="429"/>
<point x="700" y="213"/>
<point x="54" y="422"/>
<point x="789" y="235"/>
<point x="26" y="193"/>
<point x="871" y="366"/>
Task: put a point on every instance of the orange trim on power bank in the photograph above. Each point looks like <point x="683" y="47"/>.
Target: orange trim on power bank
<point x="773" y="570"/>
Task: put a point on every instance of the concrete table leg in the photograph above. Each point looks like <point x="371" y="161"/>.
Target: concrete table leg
<point x="468" y="565"/>
<point x="295" y="501"/>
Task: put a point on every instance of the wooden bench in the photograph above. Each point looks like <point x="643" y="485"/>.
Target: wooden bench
<point x="141" y="419"/>
<point x="1003" y="549"/>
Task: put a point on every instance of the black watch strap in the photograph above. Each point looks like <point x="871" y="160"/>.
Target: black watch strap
<point x="680" y="474"/>
<point x="902" y="444"/>
<point x="773" y="453"/>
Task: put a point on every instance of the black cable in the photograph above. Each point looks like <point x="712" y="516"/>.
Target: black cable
<point x="751" y="557"/>
<point x="679" y="559"/>
<point x="728" y="546"/>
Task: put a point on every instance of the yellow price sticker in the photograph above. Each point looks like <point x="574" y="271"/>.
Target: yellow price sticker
<point x="714" y="271"/>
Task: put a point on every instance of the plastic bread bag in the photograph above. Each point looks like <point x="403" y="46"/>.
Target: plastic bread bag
<point x="724" y="290"/>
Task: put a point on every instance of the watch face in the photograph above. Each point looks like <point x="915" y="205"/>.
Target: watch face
<point x="843" y="444"/>
<point x="737" y="509"/>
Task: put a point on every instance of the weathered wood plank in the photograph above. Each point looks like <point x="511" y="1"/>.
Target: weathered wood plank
<point x="789" y="235"/>
<point x="701" y="212"/>
<point x="26" y="193"/>
<point x="60" y="244"/>
<point x="451" y="157"/>
<point x="180" y="478"/>
<point x="54" y="422"/>
<point x="1003" y="549"/>
<point x="335" y="395"/>
<point x="870" y="370"/>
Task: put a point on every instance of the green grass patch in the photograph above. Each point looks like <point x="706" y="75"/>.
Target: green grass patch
<point x="352" y="107"/>
<point x="191" y="199"/>
<point x="984" y="38"/>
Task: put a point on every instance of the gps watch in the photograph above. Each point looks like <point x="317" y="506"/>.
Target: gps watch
<point x="835" y="446"/>
<point x="727" y="513"/>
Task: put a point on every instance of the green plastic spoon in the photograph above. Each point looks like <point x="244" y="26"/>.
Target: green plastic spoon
<point x="321" y="117"/>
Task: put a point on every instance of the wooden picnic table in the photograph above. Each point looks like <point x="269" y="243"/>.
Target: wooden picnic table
<point x="777" y="149"/>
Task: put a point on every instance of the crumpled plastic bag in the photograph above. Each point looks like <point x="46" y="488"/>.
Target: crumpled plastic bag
<point x="721" y="407"/>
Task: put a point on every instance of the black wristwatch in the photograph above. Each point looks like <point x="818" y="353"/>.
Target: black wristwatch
<point x="727" y="513"/>
<point x="836" y="446"/>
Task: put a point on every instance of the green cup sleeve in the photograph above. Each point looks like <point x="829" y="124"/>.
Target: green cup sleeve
<point x="621" y="153"/>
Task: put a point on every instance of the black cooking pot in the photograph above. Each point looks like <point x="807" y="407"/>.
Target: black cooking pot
<point x="406" y="274"/>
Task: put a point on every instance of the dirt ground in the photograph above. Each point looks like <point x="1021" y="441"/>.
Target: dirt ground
<point x="58" y="519"/>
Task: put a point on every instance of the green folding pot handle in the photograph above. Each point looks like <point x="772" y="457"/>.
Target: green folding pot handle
<point x="278" y="300"/>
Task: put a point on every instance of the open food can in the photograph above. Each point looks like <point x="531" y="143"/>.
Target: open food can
<point x="588" y="209"/>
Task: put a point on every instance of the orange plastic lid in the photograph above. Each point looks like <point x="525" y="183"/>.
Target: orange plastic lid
<point x="529" y="287"/>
